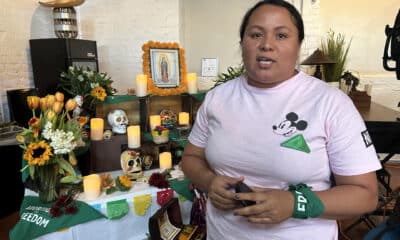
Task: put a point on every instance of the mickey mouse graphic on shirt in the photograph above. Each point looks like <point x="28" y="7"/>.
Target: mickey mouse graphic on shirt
<point x="290" y="126"/>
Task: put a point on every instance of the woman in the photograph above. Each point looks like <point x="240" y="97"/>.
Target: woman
<point x="284" y="134"/>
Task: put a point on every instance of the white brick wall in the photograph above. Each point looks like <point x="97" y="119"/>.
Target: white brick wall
<point x="119" y="27"/>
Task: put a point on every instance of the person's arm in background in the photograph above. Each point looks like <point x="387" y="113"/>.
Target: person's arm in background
<point x="197" y="170"/>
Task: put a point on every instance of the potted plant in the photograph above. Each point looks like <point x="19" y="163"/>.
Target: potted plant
<point x="336" y="48"/>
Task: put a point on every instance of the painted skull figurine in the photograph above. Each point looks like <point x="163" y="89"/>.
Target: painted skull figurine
<point x="118" y="121"/>
<point x="131" y="164"/>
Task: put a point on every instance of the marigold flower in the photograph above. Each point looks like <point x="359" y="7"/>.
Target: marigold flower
<point x="33" y="102"/>
<point x="71" y="104"/>
<point x="125" y="181"/>
<point x="50" y="100"/>
<point x="59" y="96"/>
<point x="107" y="180"/>
<point x="57" y="107"/>
<point x="99" y="93"/>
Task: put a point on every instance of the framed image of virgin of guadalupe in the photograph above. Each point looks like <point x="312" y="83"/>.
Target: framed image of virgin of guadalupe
<point x="164" y="64"/>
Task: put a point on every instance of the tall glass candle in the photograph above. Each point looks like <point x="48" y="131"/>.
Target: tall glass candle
<point x="155" y="120"/>
<point x="191" y="79"/>
<point x="91" y="186"/>
<point x="141" y="85"/>
<point x="165" y="159"/>
<point x="183" y="118"/>
<point x="96" y="129"/>
<point x="133" y="136"/>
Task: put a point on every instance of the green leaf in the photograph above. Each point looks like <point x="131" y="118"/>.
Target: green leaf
<point x="66" y="166"/>
<point x="32" y="172"/>
<point x="111" y="190"/>
<point x="69" y="179"/>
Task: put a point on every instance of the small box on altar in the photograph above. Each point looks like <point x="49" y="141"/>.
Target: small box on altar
<point x="166" y="224"/>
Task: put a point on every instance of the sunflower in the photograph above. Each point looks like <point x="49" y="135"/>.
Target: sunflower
<point x="38" y="153"/>
<point x="123" y="183"/>
<point x="99" y="93"/>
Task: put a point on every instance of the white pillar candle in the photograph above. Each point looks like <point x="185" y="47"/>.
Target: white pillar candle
<point x="155" y="120"/>
<point x="183" y="118"/>
<point x="133" y="136"/>
<point x="191" y="79"/>
<point x="165" y="160"/>
<point x="96" y="129"/>
<point x="141" y="85"/>
<point x="91" y="186"/>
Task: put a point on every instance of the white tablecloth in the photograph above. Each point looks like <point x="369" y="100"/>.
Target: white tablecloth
<point x="129" y="227"/>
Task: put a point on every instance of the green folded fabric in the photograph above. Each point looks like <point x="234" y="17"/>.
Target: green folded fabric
<point x="182" y="187"/>
<point x="36" y="220"/>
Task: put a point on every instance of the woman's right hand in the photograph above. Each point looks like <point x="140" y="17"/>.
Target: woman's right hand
<point x="220" y="192"/>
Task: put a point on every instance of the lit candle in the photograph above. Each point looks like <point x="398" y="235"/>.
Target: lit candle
<point x="165" y="160"/>
<point x="96" y="129"/>
<point x="133" y="136"/>
<point x="141" y="85"/>
<point x="183" y="118"/>
<point x="191" y="79"/>
<point x="91" y="186"/>
<point x="155" y="120"/>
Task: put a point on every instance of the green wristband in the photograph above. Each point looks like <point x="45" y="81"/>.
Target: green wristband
<point x="306" y="203"/>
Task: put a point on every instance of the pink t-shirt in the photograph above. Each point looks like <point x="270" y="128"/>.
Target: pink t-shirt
<point x="297" y="132"/>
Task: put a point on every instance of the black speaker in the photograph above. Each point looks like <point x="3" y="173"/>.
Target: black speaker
<point x="18" y="106"/>
<point x="50" y="57"/>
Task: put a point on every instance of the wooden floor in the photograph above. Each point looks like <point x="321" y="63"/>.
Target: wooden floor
<point x="356" y="233"/>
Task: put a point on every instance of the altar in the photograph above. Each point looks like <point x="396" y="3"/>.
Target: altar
<point x="131" y="226"/>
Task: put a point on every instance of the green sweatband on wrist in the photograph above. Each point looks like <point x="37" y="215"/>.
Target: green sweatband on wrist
<point x="306" y="203"/>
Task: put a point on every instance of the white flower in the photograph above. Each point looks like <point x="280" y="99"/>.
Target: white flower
<point x="93" y="85"/>
<point x="62" y="142"/>
<point x="80" y="78"/>
<point x="71" y="68"/>
<point x="47" y="131"/>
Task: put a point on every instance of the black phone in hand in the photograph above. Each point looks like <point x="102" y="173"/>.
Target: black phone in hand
<point x="241" y="187"/>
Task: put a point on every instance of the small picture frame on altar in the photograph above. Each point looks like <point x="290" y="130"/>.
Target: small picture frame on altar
<point x="166" y="223"/>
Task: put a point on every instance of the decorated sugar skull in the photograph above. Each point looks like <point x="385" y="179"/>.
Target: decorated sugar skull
<point x="118" y="121"/>
<point x="131" y="164"/>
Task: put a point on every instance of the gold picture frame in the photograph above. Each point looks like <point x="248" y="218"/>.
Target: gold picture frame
<point x="164" y="79"/>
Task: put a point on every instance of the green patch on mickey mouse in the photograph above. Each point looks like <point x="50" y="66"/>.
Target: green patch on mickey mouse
<point x="297" y="143"/>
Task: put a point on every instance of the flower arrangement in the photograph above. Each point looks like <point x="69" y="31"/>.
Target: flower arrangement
<point x="92" y="86"/>
<point x="50" y="138"/>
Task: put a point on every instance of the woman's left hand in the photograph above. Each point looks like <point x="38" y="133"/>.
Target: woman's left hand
<point x="273" y="206"/>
